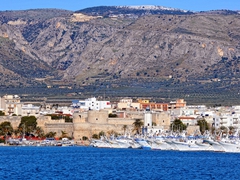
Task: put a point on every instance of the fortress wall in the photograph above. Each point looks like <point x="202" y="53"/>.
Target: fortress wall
<point x="14" y="120"/>
<point x="59" y="127"/>
<point x="80" y="117"/>
<point x="135" y="115"/>
<point x="162" y="119"/>
<point x="120" y="121"/>
<point x="42" y="120"/>
<point x="87" y="129"/>
<point x="97" y="117"/>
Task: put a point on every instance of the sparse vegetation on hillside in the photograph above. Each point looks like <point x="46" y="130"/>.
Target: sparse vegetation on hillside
<point x="162" y="55"/>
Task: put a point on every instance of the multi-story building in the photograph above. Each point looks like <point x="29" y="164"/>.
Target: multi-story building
<point x="30" y="110"/>
<point x="11" y="104"/>
<point x="127" y="103"/>
<point x="154" y="106"/>
<point x="179" y="103"/>
<point x="145" y="104"/>
<point x="91" y="104"/>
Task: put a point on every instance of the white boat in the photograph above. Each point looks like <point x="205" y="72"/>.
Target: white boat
<point x="100" y="144"/>
<point x="230" y="146"/>
<point x="143" y="143"/>
<point x="123" y="143"/>
<point x="171" y="144"/>
<point x="187" y="145"/>
<point x="204" y="146"/>
<point x="158" y="143"/>
<point x="135" y="145"/>
<point x="215" y="145"/>
<point x="113" y="144"/>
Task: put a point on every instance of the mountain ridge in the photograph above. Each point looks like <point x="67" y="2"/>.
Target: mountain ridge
<point x="155" y="53"/>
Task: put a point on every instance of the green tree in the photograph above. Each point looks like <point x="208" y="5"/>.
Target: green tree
<point x="138" y="123"/>
<point x="68" y="119"/>
<point x="2" y="113"/>
<point x="177" y="124"/>
<point x="28" y="124"/>
<point x="16" y="132"/>
<point x="203" y="125"/>
<point x="112" y="115"/>
<point x="64" y="134"/>
<point x="224" y="129"/>
<point x="84" y="138"/>
<point x="95" y="136"/>
<point x="112" y="132"/>
<point x="6" y="128"/>
<point x="101" y="134"/>
<point x="231" y="129"/>
<point x="50" y="134"/>
<point x="54" y="116"/>
<point x="39" y="132"/>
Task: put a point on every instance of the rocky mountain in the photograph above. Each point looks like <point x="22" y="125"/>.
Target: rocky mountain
<point x="143" y="50"/>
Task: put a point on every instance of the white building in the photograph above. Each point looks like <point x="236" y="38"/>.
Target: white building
<point x="148" y="118"/>
<point x="11" y="104"/>
<point x="148" y="128"/>
<point x="91" y="104"/>
<point x="127" y="103"/>
<point x="225" y="120"/>
<point x="30" y="110"/>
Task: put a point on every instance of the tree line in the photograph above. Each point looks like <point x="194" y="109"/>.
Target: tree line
<point x="27" y="128"/>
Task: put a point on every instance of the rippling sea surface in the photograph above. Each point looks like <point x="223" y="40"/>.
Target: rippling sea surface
<point x="94" y="163"/>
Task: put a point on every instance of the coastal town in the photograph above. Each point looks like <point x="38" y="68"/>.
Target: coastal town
<point x="83" y="122"/>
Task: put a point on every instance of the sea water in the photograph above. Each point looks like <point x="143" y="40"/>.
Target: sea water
<point x="95" y="163"/>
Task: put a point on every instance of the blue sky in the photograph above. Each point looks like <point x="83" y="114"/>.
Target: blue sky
<point x="194" y="5"/>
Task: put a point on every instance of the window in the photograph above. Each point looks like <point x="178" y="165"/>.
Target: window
<point x="96" y="119"/>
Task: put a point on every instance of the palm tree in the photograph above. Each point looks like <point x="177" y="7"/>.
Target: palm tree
<point x="6" y="128"/>
<point x="177" y="125"/>
<point x="124" y="128"/>
<point x="16" y="132"/>
<point x="51" y="134"/>
<point x="112" y="132"/>
<point x="64" y="134"/>
<point x="39" y="131"/>
<point x="231" y="129"/>
<point x="202" y="123"/>
<point x="138" y="123"/>
<point x="101" y="134"/>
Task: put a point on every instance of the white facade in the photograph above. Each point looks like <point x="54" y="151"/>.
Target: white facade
<point x="93" y="104"/>
<point x="126" y="100"/>
<point x="65" y="110"/>
<point x="148" y="119"/>
<point x="223" y="120"/>
<point x="30" y="110"/>
<point x="127" y="104"/>
<point x="11" y="105"/>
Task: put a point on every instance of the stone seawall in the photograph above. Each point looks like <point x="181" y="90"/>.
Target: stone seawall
<point x="59" y="128"/>
<point x="14" y="120"/>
